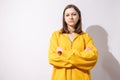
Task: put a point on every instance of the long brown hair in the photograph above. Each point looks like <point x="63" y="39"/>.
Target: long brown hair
<point x="78" y="27"/>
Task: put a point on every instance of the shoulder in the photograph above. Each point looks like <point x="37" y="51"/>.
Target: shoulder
<point x="56" y="33"/>
<point x="86" y="35"/>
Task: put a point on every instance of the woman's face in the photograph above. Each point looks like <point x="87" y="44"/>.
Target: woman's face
<point x="71" y="17"/>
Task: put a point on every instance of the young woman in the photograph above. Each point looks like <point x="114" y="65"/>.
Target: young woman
<point x="72" y="52"/>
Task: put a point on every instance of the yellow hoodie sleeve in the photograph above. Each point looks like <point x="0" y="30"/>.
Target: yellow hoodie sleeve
<point x="83" y="60"/>
<point x="53" y="57"/>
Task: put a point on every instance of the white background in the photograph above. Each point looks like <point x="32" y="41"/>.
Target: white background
<point x="26" y="26"/>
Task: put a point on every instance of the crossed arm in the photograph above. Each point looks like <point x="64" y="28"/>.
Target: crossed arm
<point x="72" y="58"/>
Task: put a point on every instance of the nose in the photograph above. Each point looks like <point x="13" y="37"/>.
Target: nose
<point x="71" y="16"/>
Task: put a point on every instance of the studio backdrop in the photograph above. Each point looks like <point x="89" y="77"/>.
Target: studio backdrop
<point x="26" y="27"/>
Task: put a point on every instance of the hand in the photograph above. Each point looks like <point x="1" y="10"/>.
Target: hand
<point x="59" y="50"/>
<point x="88" y="49"/>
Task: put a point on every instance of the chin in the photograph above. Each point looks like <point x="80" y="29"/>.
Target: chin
<point x="71" y="25"/>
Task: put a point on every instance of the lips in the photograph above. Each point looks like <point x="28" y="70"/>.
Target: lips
<point x="71" y="21"/>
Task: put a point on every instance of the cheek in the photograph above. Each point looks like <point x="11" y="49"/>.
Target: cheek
<point x="66" y="20"/>
<point x="76" y="20"/>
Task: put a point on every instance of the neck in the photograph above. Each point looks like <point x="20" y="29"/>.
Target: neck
<point x="71" y="29"/>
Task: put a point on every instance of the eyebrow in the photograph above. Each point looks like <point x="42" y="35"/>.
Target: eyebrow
<point x="71" y="13"/>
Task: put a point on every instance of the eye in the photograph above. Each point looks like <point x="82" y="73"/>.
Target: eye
<point x="67" y="15"/>
<point x="74" y="14"/>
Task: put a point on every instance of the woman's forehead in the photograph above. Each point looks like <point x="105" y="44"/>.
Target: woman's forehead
<point x="70" y="10"/>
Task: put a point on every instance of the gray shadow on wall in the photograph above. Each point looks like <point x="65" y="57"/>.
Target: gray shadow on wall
<point x="107" y="67"/>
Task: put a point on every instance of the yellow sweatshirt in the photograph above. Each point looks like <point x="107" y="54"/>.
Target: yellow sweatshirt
<point x="74" y="63"/>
